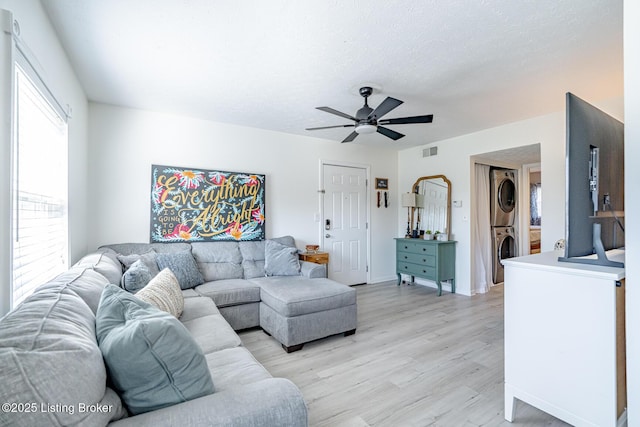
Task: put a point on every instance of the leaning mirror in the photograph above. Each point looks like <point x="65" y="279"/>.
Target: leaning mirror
<point x="433" y="208"/>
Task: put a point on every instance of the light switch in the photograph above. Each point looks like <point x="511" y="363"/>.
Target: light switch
<point x="457" y="203"/>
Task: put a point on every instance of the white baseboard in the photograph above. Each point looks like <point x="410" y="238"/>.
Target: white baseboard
<point x="383" y="279"/>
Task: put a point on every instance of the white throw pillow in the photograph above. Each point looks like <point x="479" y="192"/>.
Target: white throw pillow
<point x="163" y="291"/>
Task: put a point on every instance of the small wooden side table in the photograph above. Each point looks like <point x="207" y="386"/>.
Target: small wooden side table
<point x="317" y="258"/>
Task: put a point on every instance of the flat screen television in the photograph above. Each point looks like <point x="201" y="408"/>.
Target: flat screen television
<point x="595" y="184"/>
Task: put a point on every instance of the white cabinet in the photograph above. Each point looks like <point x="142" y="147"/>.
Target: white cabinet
<point x="564" y="339"/>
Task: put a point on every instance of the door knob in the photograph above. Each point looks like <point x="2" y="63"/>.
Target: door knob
<point x="327" y="235"/>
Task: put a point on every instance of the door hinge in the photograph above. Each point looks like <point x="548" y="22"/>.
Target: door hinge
<point x="366" y="225"/>
<point x="367" y="269"/>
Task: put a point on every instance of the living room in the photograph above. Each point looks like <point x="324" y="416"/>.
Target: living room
<point x="111" y="149"/>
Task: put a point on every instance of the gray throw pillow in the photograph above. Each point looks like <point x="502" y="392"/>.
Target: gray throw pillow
<point x="183" y="266"/>
<point x="136" y="277"/>
<point x="280" y="260"/>
<point x="151" y="358"/>
<point x="148" y="258"/>
<point x="285" y="240"/>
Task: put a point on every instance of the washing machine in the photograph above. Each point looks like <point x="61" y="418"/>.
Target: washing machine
<point x="503" y="197"/>
<point x="503" y="246"/>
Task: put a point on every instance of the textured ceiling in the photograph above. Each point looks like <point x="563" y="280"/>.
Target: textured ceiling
<point x="474" y="64"/>
<point x="514" y="157"/>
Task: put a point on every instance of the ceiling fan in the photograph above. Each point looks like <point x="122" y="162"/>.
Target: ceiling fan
<point x="367" y="120"/>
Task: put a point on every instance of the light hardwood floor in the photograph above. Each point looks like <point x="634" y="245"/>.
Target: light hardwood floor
<point x="415" y="360"/>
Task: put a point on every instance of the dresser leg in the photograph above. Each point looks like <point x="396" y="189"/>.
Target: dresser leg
<point x="439" y="288"/>
<point x="453" y="286"/>
<point x="399" y="278"/>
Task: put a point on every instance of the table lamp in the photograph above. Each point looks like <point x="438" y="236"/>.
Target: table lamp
<point x="409" y="201"/>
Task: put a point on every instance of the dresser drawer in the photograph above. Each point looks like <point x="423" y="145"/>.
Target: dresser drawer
<point x="416" y="270"/>
<point x="417" y="248"/>
<point x="318" y="258"/>
<point x="422" y="259"/>
<point x="427" y="259"/>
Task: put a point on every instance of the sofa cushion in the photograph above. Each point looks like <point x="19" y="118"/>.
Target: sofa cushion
<point x="281" y="260"/>
<point x="163" y="292"/>
<point x="84" y="282"/>
<point x="218" y="260"/>
<point x="212" y="333"/>
<point x="140" y="248"/>
<point x="49" y="355"/>
<point x="190" y="293"/>
<point x="183" y="266"/>
<point x="198" y="307"/>
<point x="152" y="359"/>
<point x="104" y="263"/>
<point x="230" y="292"/>
<point x="294" y="296"/>
<point x="252" y="258"/>
<point x="233" y="367"/>
<point x="136" y="277"/>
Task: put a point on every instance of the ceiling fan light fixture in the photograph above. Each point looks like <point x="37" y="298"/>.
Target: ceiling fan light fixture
<point x="366" y="128"/>
<point x="367" y="119"/>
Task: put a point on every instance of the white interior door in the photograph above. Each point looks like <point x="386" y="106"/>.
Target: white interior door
<point x="344" y="223"/>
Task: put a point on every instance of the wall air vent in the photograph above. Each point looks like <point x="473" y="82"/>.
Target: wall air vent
<point x="430" y="151"/>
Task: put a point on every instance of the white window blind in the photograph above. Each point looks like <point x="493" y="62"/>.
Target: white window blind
<point x="39" y="187"/>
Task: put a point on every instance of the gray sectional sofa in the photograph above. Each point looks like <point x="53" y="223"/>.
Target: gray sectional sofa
<point x="52" y="370"/>
<point x="295" y="307"/>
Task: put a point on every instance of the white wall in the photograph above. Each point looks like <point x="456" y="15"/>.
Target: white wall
<point x="125" y="143"/>
<point x="632" y="203"/>
<point x="454" y="161"/>
<point x="39" y="36"/>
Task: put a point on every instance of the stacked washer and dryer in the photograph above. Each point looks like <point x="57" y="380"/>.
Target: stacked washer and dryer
<point x="503" y="217"/>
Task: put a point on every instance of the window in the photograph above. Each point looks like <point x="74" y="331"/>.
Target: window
<point x="39" y="187"/>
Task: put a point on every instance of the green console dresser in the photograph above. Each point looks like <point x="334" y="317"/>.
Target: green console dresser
<point x="428" y="259"/>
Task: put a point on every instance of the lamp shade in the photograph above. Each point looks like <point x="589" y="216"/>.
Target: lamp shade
<point x="409" y="200"/>
<point x="419" y="200"/>
<point x="366" y="128"/>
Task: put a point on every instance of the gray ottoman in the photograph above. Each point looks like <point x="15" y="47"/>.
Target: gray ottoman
<point x="297" y="310"/>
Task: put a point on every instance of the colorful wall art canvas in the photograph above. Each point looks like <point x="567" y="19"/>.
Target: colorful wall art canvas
<point x="205" y="205"/>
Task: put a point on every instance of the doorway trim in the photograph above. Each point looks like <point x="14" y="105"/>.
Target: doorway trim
<point x="481" y="159"/>
<point x="525" y="202"/>
<point x="367" y="169"/>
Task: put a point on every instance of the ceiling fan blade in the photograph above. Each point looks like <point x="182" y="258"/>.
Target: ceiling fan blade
<point x="337" y="113"/>
<point x="390" y="133"/>
<point x="407" y="120"/>
<point x="331" y="127"/>
<point x="351" y="137"/>
<point x="386" y="106"/>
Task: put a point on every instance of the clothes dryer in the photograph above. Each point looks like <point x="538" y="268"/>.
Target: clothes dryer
<point x="503" y="246"/>
<point x="503" y="197"/>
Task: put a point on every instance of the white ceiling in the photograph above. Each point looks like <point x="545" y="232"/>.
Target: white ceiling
<point x="512" y="157"/>
<point x="474" y="64"/>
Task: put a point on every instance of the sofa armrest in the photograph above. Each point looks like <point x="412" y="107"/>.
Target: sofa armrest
<point x="312" y="270"/>
<point x="270" y="402"/>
